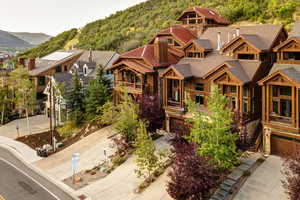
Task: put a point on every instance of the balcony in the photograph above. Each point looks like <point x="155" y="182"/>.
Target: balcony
<point x="130" y="87"/>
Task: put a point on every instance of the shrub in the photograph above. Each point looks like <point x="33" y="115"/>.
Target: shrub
<point x="67" y="129"/>
<point x="118" y="160"/>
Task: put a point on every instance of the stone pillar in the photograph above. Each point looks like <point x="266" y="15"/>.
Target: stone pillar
<point x="267" y="140"/>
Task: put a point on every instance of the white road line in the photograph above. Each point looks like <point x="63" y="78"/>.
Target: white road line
<point x="30" y="178"/>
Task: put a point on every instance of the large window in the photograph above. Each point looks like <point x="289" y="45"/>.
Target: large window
<point x="173" y="92"/>
<point x="246" y="56"/>
<point x="291" y="56"/>
<point x="199" y="86"/>
<point x="230" y="91"/>
<point x="199" y="99"/>
<point x="281" y="104"/>
<point x="58" y="69"/>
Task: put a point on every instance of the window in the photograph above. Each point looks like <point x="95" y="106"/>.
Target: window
<point x="194" y="55"/>
<point x="42" y="80"/>
<point x="199" y="99"/>
<point x="58" y="69"/>
<point x="170" y="41"/>
<point x="245" y="105"/>
<point x="65" y="68"/>
<point x="199" y="87"/>
<point x="246" y="56"/>
<point x="85" y="71"/>
<point x="281" y="104"/>
<point x="176" y="44"/>
<point x="291" y="56"/>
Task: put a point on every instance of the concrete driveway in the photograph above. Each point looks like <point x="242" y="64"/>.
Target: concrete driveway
<point x="265" y="182"/>
<point x="39" y="123"/>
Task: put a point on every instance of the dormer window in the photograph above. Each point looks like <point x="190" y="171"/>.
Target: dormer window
<point x="291" y="55"/>
<point x="246" y="56"/>
<point x="172" y="42"/>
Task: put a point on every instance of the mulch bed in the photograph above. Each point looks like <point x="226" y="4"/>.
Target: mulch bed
<point x="38" y="140"/>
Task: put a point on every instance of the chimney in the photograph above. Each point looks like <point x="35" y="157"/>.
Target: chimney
<point x="237" y="30"/>
<point x="90" y="56"/>
<point x="219" y="42"/>
<point x="31" y="64"/>
<point x="22" y="61"/>
<point x="161" y="50"/>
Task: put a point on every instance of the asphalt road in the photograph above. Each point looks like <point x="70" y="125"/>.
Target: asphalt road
<point x="20" y="182"/>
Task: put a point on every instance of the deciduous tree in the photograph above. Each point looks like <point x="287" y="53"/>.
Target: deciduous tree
<point x="212" y="131"/>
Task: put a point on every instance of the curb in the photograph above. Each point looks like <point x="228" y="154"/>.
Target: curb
<point x="62" y="186"/>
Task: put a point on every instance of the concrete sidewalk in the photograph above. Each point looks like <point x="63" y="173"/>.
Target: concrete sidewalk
<point x="24" y="151"/>
<point x="39" y="123"/>
<point x="265" y="182"/>
<point x="91" y="153"/>
<point x="120" y="184"/>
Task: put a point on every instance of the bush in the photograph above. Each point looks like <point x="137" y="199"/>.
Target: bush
<point x="119" y="160"/>
<point x="67" y="129"/>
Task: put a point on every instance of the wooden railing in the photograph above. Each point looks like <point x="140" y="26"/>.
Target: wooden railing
<point x="280" y="119"/>
<point x="173" y="103"/>
<point x="136" y="86"/>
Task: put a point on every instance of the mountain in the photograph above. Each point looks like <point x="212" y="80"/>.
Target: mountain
<point x="32" y="38"/>
<point x="10" y="41"/>
<point x="134" y="26"/>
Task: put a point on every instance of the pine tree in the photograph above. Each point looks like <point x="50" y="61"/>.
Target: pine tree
<point x="212" y="131"/>
<point x="75" y="101"/>
<point x="146" y="159"/>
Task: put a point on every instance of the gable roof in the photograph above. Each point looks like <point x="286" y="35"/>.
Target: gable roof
<point x="291" y="71"/>
<point x="266" y="34"/>
<point x="207" y="13"/>
<point x="98" y="57"/>
<point x="253" y="39"/>
<point x="282" y="44"/>
<point x="179" y="33"/>
<point x="203" y="44"/>
<point x="146" y="53"/>
<point x="52" y="60"/>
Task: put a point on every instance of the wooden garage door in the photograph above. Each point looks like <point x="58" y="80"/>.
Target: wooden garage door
<point x="284" y="146"/>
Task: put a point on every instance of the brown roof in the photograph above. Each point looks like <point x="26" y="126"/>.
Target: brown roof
<point x="136" y="66"/>
<point x="244" y="70"/>
<point x="204" y="44"/>
<point x="179" y="33"/>
<point x="266" y="34"/>
<point x="207" y="13"/>
<point x="99" y="57"/>
<point x="282" y="44"/>
<point x="146" y="53"/>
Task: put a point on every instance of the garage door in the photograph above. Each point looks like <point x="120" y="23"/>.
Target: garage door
<point x="284" y="146"/>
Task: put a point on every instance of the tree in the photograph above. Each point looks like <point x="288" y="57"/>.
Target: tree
<point x="24" y="92"/>
<point x="151" y="111"/>
<point x="292" y="173"/>
<point x="146" y="159"/>
<point x="5" y="100"/>
<point x="127" y="120"/>
<point x="97" y="94"/>
<point x="192" y="175"/>
<point x="212" y="131"/>
<point x="75" y="101"/>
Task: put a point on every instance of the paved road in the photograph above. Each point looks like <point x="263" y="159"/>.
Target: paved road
<point x="39" y="123"/>
<point x="19" y="181"/>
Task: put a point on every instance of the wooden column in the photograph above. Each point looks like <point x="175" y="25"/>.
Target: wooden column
<point x="293" y="107"/>
<point x="263" y="104"/>
<point x="240" y="96"/>
<point x="297" y="108"/>
<point x="165" y="92"/>
<point x="268" y="103"/>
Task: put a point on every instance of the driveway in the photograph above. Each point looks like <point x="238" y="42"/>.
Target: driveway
<point x="265" y="182"/>
<point x="39" y="123"/>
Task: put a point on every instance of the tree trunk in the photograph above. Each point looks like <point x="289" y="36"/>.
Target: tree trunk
<point x="28" y="124"/>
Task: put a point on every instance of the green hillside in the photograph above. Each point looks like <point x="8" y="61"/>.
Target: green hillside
<point x="134" y="26"/>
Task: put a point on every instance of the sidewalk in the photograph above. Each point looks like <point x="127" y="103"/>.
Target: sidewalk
<point x="120" y="184"/>
<point x="91" y="153"/>
<point x="39" y="123"/>
<point x="24" y="151"/>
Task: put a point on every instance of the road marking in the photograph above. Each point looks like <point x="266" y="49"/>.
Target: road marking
<point x="43" y="187"/>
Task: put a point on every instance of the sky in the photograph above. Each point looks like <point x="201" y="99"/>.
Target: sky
<point x="55" y="16"/>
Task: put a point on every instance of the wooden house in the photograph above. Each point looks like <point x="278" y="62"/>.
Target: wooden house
<point x="280" y="97"/>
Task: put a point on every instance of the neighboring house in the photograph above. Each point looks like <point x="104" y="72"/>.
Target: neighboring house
<point x="60" y="84"/>
<point x="187" y="59"/>
<point x="4" y="56"/>
<point x="88" y="62"/>
<point x="281" y="97"/>
<point x="55" y="63"/>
